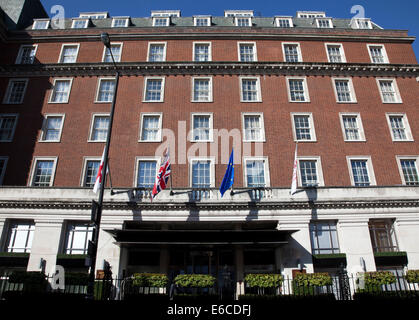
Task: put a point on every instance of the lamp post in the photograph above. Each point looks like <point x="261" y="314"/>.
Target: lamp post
<point x="104" y="37"/>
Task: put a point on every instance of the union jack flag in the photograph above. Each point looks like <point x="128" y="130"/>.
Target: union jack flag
<point x="162" y="176"/>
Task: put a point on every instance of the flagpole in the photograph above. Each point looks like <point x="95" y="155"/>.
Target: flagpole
<point x="294" y="183"/>
<point x="110" y="178"/>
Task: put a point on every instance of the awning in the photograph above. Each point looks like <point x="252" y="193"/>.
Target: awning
<point x="200" y="237"/>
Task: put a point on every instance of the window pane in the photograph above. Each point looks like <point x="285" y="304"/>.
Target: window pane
<point x="255" y="173"/>
<point x="343" y="90"/>
<point x="92" y="168"/>
<point x="302" y="127"/>
<point x="201" y="174"/>
<point x="387" y="91"/>
<point x="360" y="173"/>
<point x="78" y="236"/>
<point x="156" y="52"/>
<point x="100" y="128"/>
<point x="17" y="89"/>
<point x="249" y="90"/>
<point x="201" y="128"/>
<point x="291" y="53"/>
<point x="201" y="90"/>
<point x="252" y="128"/>
<point x="43" y="173"/>
<point x="106" y="90"/>
<point x="53" y="129"/>
<point x="153" y="90"/>
<point x="7" y="124"/>
<point x="146" y="174"/>
<point x="69" y="54"/>
<point x="308" y="171"/>
<point x="61" y="91"/>
<point x="27" y="55"/>
<point x="351" y="128"/>
<point x="116" y="52"/>
<point x="247" y="52"/>
<point x="150" y="128"/>
<point x="397" y="127"/>
<point x="297" y="90"/>
<point x="410" y="172"/>
<point x="377" y="54"/>
<point x="334" y="53"/>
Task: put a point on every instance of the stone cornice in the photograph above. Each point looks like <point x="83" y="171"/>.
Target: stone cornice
<point x="210" y="68"/>
<point x="212" y="206"/>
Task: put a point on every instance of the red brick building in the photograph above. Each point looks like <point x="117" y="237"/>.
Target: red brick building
<point x="346" y="90"/>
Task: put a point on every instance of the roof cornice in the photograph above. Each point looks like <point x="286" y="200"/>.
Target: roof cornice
<point x="210" y="68"/>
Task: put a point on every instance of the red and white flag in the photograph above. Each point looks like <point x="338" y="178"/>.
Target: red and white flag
<point x="294" y="173"/>
<point x="99" y="176"/>
<point x="163" y="175"/>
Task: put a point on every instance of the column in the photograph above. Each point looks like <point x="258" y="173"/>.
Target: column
<point x="108" y="250"/>
<point x="239" y="264"/>
<point x="45" y="245"/>
<point x="407" y="239"/>
<point x="355" y="241"/>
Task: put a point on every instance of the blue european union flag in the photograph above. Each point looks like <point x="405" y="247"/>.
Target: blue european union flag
<point x="228" y="179"/>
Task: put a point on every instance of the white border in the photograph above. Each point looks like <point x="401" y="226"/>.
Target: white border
<point x="409" y="136"/>
<point x="3" y="172"/>
<point x="236" y="21"/>
<point x="44" y="124"/>
<point x="68" y="45"/>
<point x="9" y="89"/>
<point x="266" y="169"/>
<point x="34" y="164"/>
<point x="395" y="87"/>
<point x="36" y="20"/>
<point x="370" y="168"/>
<point x="208" y="18"/>
<point x="120" y="18"/>
<point x="311" y="121"/>
<point x="157" y="43"/>
<point x="16" y="115"/>
<point x="319" y="170"/>
<point x="158" y="17"/>
<point x="361" y="131"/>
<point x="209" y="50"/>
<point x="121" y="44"/>
<point x="155" y="114"/>
<point x="98" y="88"/>
<point x="284" y="18"/>
<point x="145" y="158"/>
<point x="351" y="89"/>
<point x="53" y="88"/>
<point x="262" y="123"/>
<point x="255" y="52"/>
<point x="341" y="50"/>
<point x="259" y="92"/>
<point x="161" y="93"/>
<point x="324" y="18"/>
<point x="83" y="171"/>
<point x="210" y="98"/>
<point x="383" y="48"/>
<point x="19" y="55"/>
<point x="211" y="126"/>
<point x="399" y="165"/>
<point x="300" y="56"/>
<point x="94" y="115"/>
<point x="212" y="168"/>
<point x="305" y="86"/>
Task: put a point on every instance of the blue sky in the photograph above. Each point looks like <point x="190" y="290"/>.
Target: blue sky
<point x="401" y="14"/>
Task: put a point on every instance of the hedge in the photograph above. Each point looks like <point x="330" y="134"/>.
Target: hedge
<point x="158" y="280"/>
<point x="194" y="280"/>
<point x="312" y="279"/>
<point x="412" y="276"/>
<point x="378" y="278"/>
<point x="263" y="280"/>
<point x="76" y="278"/>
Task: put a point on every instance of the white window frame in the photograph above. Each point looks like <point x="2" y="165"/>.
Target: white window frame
<point x="98" y="89"/>
<point x="83" y="172"/>
<point x="44" y="125"/>
<point x="34" y="166"/>
<point x="341" y="50"/>
<point x="210" y="96"/>
<point x="398" y="97"/>
<point x="94" y="15"/>
<point x="355" y="23"/>
<point x="163" y="79"/>
<point x="370" y="169"/>
<point x="284" y="18"/>
<point x="311" y="14"/>
<point x="408" y="132"/>
<point x="40" y="20"/>
<point x="121" y="44"/>
<point x="350" y="86"/>
<point x="120" y="18"/>
<point x="85" y="19"/>
<point x="3" y="172"/>
<point x="262" y="126"/>
<point x="236" y="21"/>
<point x="209" y="50"/>
<point x="151" y="114"/>
<point x="157" y="43"/>
<point x="20" y="53"/>
<point x="311" y="122"/>
<point x="305" y="86"/>
<point x="68" y="45"/>
<point x="319" y="170"/>
<point x="208" y="18"/>
<point x="300" y="57"/>
<point x="92" y="122"/>
<point x="6" y="99"/>
<point x="165" y="13"/>
<point x="157" y="17"/>
<point x="383" y="50"/>
<point x="399" y="165"/>
<point x="238" y="13"/>
<point x="144" y="158"/>
<point x="53" y="88"/>
<point x="211" y="126"/>
<point x="324" y="18"/>
<point x="191" y="160"/>
<point x="266" y="169"/>
<point x="259" y="92"/>
<point x="361" y="132"/>
<point x="16" y="116"/>
<point x="255" y="54"/>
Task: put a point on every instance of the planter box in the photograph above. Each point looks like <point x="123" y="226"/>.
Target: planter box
<point x="329" y="260"/>
<point x="390" y="258"/>
<point x="72" y="260"/>
<point x="14" y="259"/>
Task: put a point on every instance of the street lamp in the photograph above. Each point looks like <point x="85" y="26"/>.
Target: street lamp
<point x="97" y="210"/>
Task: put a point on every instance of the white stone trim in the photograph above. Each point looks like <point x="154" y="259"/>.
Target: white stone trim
<point x="370" y="168"/>
<point x="44" y="124"/>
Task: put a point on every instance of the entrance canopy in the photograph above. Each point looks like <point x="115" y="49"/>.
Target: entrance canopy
<point x="200" y="237"/>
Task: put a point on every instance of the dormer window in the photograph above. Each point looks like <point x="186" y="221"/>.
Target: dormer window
<point x="243" y="21"/>
<point x="80" y="23"/>
<point x="283" y="22"/>
<point x="160" y="21"/>
<point x="201" y="21"/>
<point x="165" y="13"/>
<point x="94" y="15"/>
<point x="40" y="24"/>
<point x="120" y="22"/>
<point x="238" y="13"/>
<point x="361" y="23"/>
<point x="311" y="14"/>
<point x="324" y="23"/>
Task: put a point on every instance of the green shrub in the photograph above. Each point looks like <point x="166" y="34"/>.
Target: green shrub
<point x="378" y="278"/>
<point x="32" y="281"/>
<point x="412" y="276"/>
<point x="263" y="280"/>
<point x="312" y="279"/>
<point x="158" y="280"/>
<point x="76" y="278"/>
<point x="194" y="280"/>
